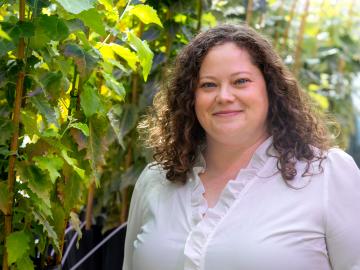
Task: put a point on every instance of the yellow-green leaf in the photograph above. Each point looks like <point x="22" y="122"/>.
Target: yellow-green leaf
<point x="81" y="126"/>
<point x="144" y="52"/>
<point x="209" y="19"/>
<point x="73" y="163"/>
<point x="146" y="14"/>
<point x="321" y="100"/>
<point x="4" y="35"/>
<point x="313" y="87"/>
<point x="93" y="19"/>
<point x="106" y="51"/>
<point x="130" y="57"/>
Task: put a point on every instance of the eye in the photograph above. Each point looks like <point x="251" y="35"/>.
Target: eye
<point x="241" y="81"/>
<point x="207" y="85"/>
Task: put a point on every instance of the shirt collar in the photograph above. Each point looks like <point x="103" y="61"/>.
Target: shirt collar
<point x="257" y="161"/>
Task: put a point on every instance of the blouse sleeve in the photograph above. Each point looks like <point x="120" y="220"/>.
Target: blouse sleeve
<point x="342" y="202"/>
<point x="135" y="219"/>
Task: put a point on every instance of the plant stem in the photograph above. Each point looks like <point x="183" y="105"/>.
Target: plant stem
<point x="121" y="16"/>
<point x="15" y="138"/>
<point x="125" y="191"/>
<point x="90" y="205"/>
<point x="297" y="57"/>
<point x="291" y="16"/>
<point x="199" y="15"/>
<point x="249" y="11"/>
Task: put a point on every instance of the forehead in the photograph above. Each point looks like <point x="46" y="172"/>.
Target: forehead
<point x="225" y="57"/>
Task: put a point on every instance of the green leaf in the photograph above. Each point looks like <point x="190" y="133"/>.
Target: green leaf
<point x="26" y="29"/>
<point x="48" y="28"/>
<point x="114" y="85"/>
<point x="36" y="181"/>
<point x="28" y="119"/>
<point x="25" y="263"/>
<point x="73" y="191"/>
<point x="45" y="109"/>
<point x="90" y="101"/>
<point x="97" y="145"/>
<point x="6" y="46"/>
<point x="6" y="127"/>
<point x="17" y="245"/>
<point x="39" y="204"/>
<point x="81" y="126"/>
<point x="4" y="196"/>
<point x="47" y="228"/>
<point x="77" y="6"/>
<point x="73" y="163"/>
<point x="93" y="20"/>
<point x="130" y="57"/>
<point x="50" y="163"/>
<point x="59" y="218"/>
<point x="146" y="14"/>
<point x="18" y="30"/>
<point x="85" y="62"/>
<point x="122" y="124"/>
<point x="84" y="39"/>
<point x="144" y="52"/>
<point x="53" y="83"/>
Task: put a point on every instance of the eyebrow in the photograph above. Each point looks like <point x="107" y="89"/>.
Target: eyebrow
<point x="233" y="74"/>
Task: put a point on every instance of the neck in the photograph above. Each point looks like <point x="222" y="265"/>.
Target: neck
<point x="229" y="159"/>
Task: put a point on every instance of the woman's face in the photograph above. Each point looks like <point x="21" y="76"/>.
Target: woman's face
<point x="231" y="101"/>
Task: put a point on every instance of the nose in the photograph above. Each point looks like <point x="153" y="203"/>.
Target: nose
<point x="225" y="94"/>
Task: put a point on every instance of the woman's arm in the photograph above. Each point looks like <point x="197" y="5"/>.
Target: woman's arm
<point x="135" y="219"/>
<point x="342" y="203"/>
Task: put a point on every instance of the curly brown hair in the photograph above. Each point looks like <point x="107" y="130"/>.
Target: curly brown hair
<point x="174" y="133"/>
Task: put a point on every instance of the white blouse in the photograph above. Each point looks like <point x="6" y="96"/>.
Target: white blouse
<point x="258" y="222"/>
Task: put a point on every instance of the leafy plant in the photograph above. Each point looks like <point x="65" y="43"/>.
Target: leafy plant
<point x="65" y="69"/>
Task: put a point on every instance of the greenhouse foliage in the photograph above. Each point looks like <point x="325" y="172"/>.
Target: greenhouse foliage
<point x="76" y="76"/>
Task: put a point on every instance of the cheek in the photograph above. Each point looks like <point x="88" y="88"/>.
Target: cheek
<point x="200" y="103"/>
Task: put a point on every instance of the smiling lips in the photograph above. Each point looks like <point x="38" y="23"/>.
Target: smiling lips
<point x="228" y="113"/>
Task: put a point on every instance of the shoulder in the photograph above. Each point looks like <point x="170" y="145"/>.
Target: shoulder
<point x="339" y="159"/>
<point x="152" y="175"/>
<point x="341" y="171"/>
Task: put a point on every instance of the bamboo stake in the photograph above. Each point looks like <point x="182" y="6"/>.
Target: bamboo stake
<point x="125" y="191"/>
<point x="298" y="49"/>
<point x="249" y="11"/>
<point x="15" y="138"/>
<point x="199" y="15"/>
<point x="168" y="44"/>
<point x="291" y="16"/>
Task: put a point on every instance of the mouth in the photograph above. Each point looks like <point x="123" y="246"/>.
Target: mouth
<point x="228" y="113"/>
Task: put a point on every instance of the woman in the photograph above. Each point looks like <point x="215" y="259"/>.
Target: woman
<point x="244" y="177"/>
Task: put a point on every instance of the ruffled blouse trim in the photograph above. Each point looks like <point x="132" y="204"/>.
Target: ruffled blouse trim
<point x="205" y="220"/>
